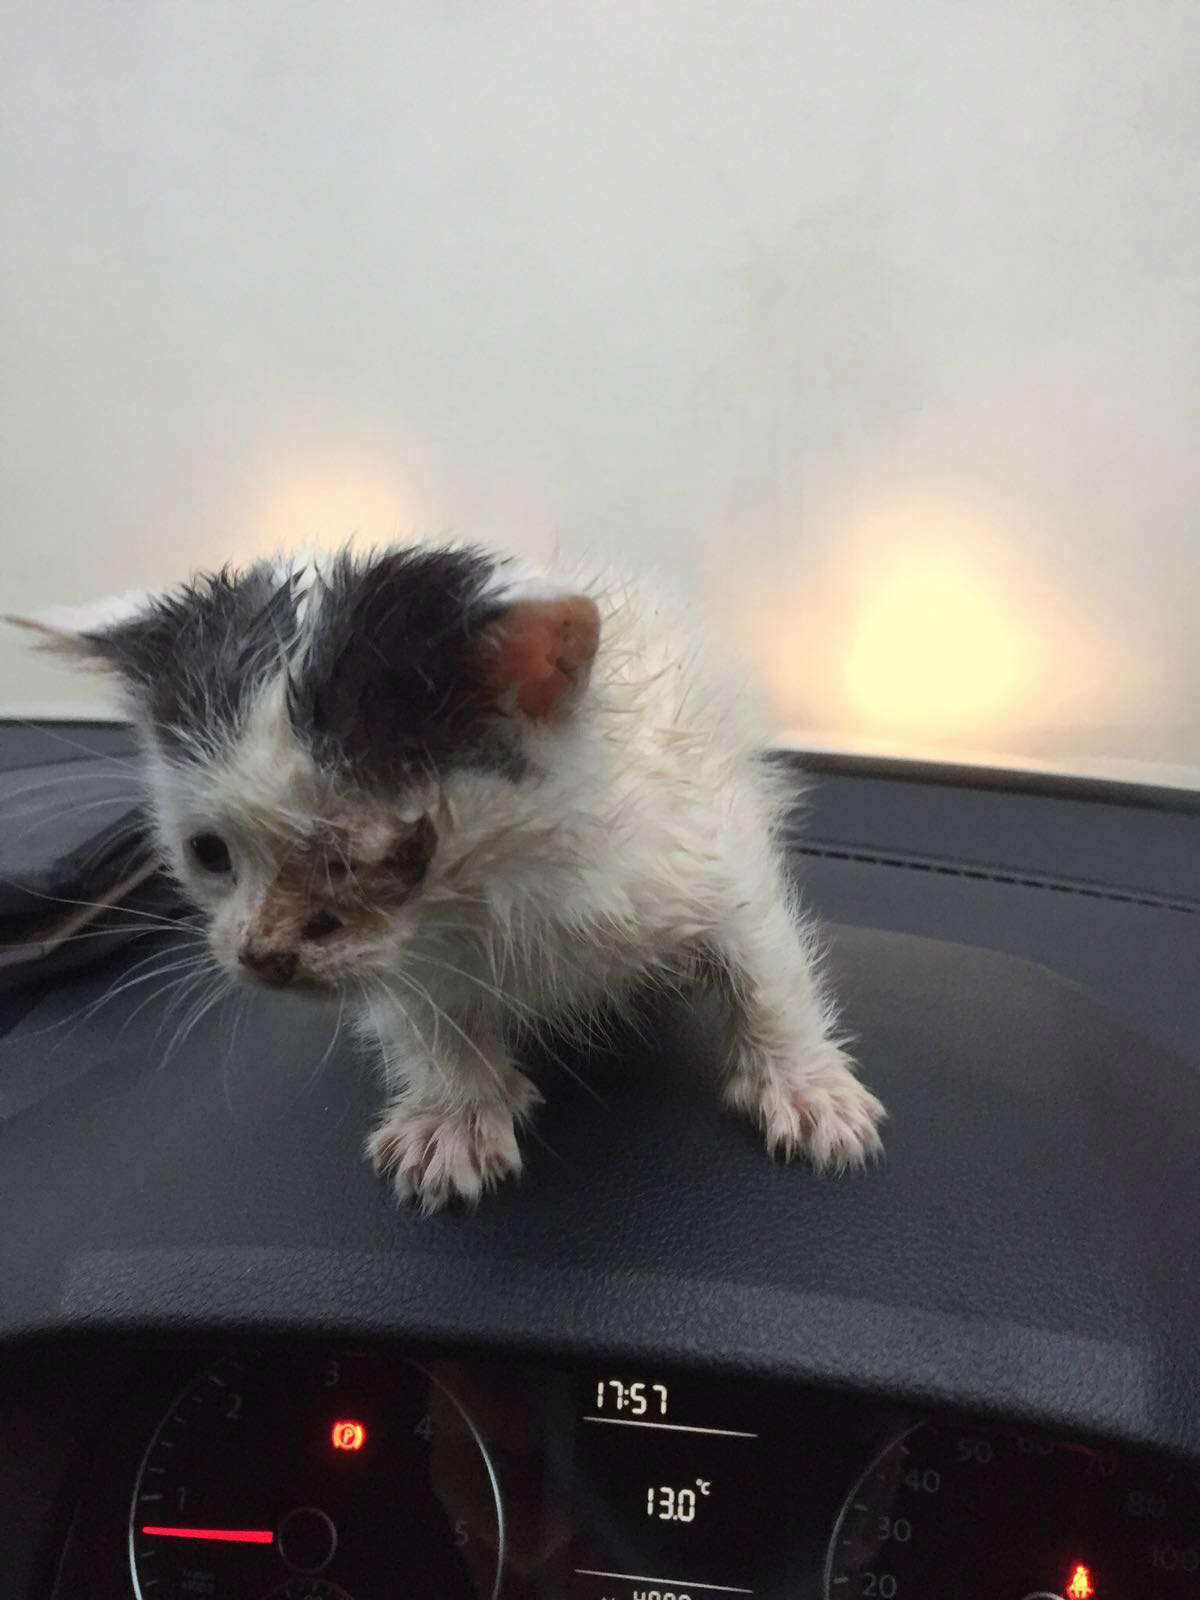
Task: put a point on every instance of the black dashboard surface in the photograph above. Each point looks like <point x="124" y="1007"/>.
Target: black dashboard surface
<point x="1028" y="1248"/>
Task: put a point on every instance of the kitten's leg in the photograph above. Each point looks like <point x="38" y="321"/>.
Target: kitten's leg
<point x="449" y="1132"/>
<point x="787" y="1069"/>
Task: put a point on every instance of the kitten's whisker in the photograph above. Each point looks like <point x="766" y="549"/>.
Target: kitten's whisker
<point x="529" y="1126"/>
<point x="63" y="772"/>
<point x="209" y="969"/>
<point x="36" y="813"/>
<point x="219" y="992"/>
<point x="180" y="986"/>
<point x="461" y="1032"/>
<point x="185" y="995"/>
<point x="123" y="930"/>
<point x="432" y="1055"/>
<point x="35" y="818"/>
<point x="123" y="837"/>
<point x="71" y="774"/>
<point x="387" y="996"/>
<point x="122" y="980"/>
<point x="90" y="905"/>
<point x="170" y="950"/>
<point x="329" y="1048"/>
<point x="85" y="1013"/>
<point x="133" y="983"/>
<point x="70" y="744"/>
<point x="239" y="1012"/>
<point x="460" y="972"/>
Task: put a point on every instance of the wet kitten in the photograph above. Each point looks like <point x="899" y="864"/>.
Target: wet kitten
<point x="467" y="800"/>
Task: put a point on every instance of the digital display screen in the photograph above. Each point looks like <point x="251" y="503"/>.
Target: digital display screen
<point x="673" y="1491"/>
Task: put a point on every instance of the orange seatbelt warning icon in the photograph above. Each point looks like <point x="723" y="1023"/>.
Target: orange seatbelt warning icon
<point x="1081" y="1586"/>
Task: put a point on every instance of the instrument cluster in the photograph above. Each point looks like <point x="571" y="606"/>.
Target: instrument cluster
<point x="357" y="1474"/>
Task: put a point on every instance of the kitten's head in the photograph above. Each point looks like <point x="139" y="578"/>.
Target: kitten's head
<point x="327" y="746"/>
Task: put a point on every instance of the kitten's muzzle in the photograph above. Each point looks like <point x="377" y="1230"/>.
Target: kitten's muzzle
<point x="276" y="968"/>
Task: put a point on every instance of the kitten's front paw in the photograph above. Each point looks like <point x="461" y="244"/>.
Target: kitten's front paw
<point x="434" y="1157"/>
<point x="824" y="1112"/>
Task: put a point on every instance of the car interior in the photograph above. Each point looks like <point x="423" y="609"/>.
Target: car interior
<point x="866" y="336"/>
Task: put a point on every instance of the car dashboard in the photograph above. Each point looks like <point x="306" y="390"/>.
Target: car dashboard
<point x="354" y="1472"/>
<point x="662" y="1365"/>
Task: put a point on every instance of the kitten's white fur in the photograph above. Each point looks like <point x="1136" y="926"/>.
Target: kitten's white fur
<point x="643" y="844"/>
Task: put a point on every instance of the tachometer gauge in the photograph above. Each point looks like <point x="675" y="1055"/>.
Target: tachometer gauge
<point x="948" y="1512"/>
<point x="348" y="1477"/>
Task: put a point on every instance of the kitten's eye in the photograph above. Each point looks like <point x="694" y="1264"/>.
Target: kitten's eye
<point x="210" y="852"/>
<point x="318" y="927"/>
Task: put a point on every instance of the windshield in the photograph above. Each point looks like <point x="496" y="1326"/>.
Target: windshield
<point x="873" y="329"/>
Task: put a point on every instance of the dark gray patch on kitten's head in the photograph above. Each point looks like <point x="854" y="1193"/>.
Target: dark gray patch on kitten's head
<point x="197" y="657"/>
<point x="391" y="684"/>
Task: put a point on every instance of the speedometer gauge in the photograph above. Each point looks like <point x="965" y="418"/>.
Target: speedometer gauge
<point x="341" y="1478"/>
<point x="948" y="1512"/>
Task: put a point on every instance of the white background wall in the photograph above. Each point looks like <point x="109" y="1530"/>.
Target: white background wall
<point x="875" y="325"/>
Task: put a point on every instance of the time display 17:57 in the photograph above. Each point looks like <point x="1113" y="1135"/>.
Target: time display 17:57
<point x="637" y="1399"/>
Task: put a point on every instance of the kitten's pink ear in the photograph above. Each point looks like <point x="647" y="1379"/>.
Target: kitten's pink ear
<point x="539" y="653"/>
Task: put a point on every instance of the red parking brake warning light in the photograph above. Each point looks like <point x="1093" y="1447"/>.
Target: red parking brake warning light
<point x="1080" y="1586"/>
<point x="352" y="1436"/>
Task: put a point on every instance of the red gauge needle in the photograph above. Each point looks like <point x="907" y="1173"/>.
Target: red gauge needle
<point x="225" y="1535"/>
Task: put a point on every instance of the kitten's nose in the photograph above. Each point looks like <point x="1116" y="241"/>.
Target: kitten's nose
<point x="274" y="967"/>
